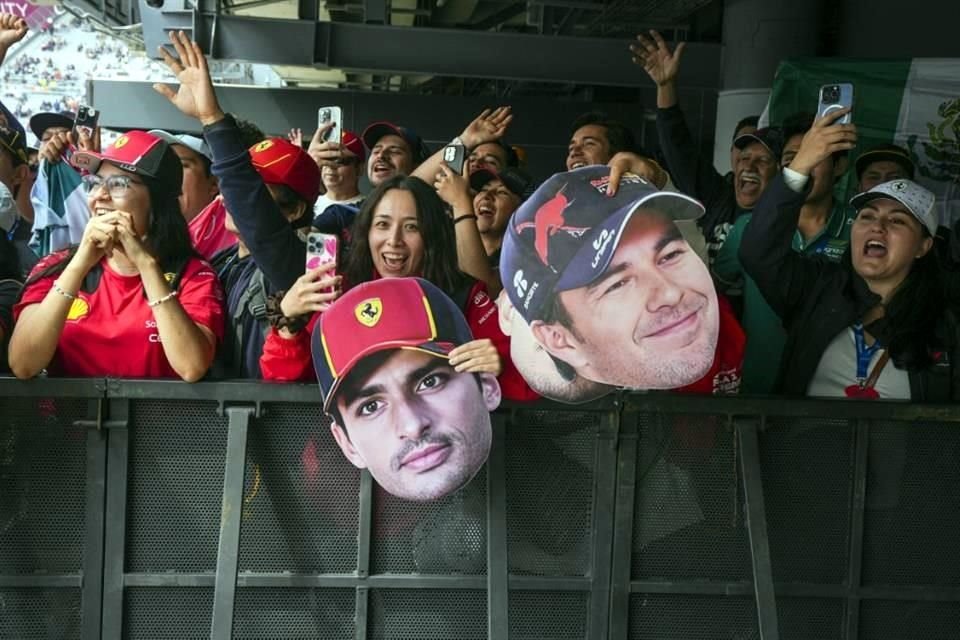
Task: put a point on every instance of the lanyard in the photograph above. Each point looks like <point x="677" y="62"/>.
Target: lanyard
<point x="864" y="353"/>
<point x="13" y="229"/>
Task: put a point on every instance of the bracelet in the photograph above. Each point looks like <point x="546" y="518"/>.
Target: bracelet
<point x="279" y="321"/>
<point x="160" y="301"/>
<point x="56" y="288"/>
<point x="466" y="216"/>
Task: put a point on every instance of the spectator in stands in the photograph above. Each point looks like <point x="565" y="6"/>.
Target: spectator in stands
<point x="823" y="229"/>
<point x="15" y="176"/>
<point x="575" y="258"/>
<point x="45" y="125"/>
<point x="480" y="220"/>
<point x="269" y="192"/>
<point x="394" y="150"/>
<point x="341" y="175"/>
<point x="882" y="303"/>
<point x="746" y="126"/>
<point x="131" y="300"/>
<point x="11" y="276"/>
<point x="402" y="231"/>
<point x="693" y="172"/>
<point x="496" y="155"/>
<point x="596" y="138"/>
<point x="883" y="163"/>
<point x="384" y="357"/>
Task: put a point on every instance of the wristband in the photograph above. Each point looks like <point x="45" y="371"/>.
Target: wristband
<point x="467" y="216"/>
<point x="279" y="321"/>
<point x="160" y="301"/>
<point x="62" y="292"/>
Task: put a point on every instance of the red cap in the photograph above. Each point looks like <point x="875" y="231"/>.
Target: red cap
<point x="352" y="143"/>
<point x="279" y="161"/>
<point x="390" y="313"/>
<point x="137" y="152"/>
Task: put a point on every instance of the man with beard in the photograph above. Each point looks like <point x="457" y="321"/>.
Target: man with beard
<point x="692" y="171"/>
<point x="393" y="150"/>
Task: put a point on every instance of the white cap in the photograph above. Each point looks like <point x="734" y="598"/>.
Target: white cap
<point x="918" y="200"/>
<point x="193" y="143"/>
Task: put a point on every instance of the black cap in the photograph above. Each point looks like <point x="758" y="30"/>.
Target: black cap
<point x="40" y="122"/>
<point x="770" y="137"/>
<point x="516" y="180"/>
<point x="890" y="152"/>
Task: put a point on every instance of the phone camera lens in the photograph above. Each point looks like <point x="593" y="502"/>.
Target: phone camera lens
<point x="832" y="94"/>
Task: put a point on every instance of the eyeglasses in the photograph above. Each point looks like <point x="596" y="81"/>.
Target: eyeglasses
<point x="118" y="186"/>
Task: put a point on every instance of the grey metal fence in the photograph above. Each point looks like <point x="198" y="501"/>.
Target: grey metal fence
<point x="134" y="509"/>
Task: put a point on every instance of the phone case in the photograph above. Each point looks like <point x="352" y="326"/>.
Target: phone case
<point x="836" y="96"/>
<point x="321" y="249"/>
<point x="325" y="115"/>
<point x="454" y="156"/>
<point x="86" y="120"/>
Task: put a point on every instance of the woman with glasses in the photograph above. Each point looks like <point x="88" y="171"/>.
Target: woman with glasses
<point x="132" y="300"/>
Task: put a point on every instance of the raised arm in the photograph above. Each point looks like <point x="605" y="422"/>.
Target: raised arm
<point x="489" y="126"/>
<point x="12" y="31"/>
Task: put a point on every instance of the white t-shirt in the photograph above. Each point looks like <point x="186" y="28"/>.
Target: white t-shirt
<point x="324" y="201"/>
<point x="838" y="370"/>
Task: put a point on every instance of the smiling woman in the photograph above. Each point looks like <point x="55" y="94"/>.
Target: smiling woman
<point x="132" y="300"/>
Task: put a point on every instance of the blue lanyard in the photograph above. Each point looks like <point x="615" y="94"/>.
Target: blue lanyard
<point x="864" y="353"/>
<point x="13" y="229"/>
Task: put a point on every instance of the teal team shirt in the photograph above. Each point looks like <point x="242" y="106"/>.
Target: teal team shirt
<point x="765" y="335"/>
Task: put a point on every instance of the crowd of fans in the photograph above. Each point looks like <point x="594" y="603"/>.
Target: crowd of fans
<point x="192" y="262"/>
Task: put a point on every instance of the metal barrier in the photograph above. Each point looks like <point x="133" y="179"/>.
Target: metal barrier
<point x="133" y="509"/>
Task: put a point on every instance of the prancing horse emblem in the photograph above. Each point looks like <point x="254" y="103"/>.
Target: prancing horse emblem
<point x="369" y="311"/>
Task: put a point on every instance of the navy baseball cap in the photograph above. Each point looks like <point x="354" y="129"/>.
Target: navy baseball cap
<point x="564" y="236"/>
<point x="40" y="122"/>
<point x="516" y="180"/>
<point x="12" y="136"/>
<point x="770" y="137"/>
<point x="372" y="134"/>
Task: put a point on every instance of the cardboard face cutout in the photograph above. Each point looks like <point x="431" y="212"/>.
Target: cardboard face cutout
<point x="605" y="291"/>
<point x="399" y="409"/>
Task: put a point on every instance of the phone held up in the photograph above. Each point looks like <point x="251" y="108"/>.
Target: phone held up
<point x="834" y="97"/>
<point x="321" y="249"/>
<point x="331" y="114"/>
<point x="454" y="155"/>
<point x="86" y="121"/>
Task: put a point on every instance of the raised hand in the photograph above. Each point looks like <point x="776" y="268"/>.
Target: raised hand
<point x="99" y="239"/>
<point x="653" y="54"/>
<point x="452" y="188"/>
<point x="323" y="151"/>
<point x="296" y="137"/>
<point x="646" y="168"/>
<point x="490" y="125"/>
<point x="195" y="97"/>
<point x="12" y="30"/>
<point x="824" y="138"/>
<point x="314" y="291"/>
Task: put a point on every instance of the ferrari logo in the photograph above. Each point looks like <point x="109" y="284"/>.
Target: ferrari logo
<point x="369" y="311"/>
<point x="263" y="146"/>
<point x="121" y="142"/>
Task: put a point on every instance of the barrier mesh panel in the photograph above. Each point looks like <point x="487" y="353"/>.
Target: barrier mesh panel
<point x="42" y="485"/>
<point x="808" y="480"/>
<point x="538" y="615"/>
<point x="175" y="486"/>
<point x="165" y="613"/>
<point x="810" y="618"/>
<point x="550" y="479"/>
<point x="39" y="613"/>
<point x="305" y="614"/>
<point x="913" y="505"/>
<point x="897" y="620"/>
<point x="688" y="512"/>
<point x="300" y="506"/>
<point x="427" y="614"/>
<point x="683" y="617"/>
<point x="444" y="536"/>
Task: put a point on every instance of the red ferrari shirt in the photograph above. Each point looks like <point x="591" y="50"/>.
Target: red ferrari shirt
<point x="112" y="331"/>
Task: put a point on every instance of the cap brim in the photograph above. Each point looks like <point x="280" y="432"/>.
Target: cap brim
<point x="172" y="140"/>
<point x="373" y="133"/>
<point x="480" y="177"/>
<point x="87" y="160"/>
<point x="437" y="349"/>
<point x="675" y="206"/>
<point x="43" y="121"/>
<point x="745" y="140"/>
<point x="879" y="156"/>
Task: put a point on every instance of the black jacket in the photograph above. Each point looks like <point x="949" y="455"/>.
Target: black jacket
<point x="694" y="174"/>
<point x="817" y="299"/>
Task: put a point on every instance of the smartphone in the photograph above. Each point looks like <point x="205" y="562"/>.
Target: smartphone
<point x="321" y="249"/>
<point x="86" y="120"/>
<point x="331" y="114"/>
<point x="833" y="97"/>
<point x="454" y="155"/>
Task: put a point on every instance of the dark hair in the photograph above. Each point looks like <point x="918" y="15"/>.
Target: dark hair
<point x="619" y="136"/>
<point x="911" y="316"/>
<point x="436" y="227"/>
<point x="749" y="121"/>
<point x="250" y="134"/>
<point x="168" y="238"/>
<point x="288" y="200"/>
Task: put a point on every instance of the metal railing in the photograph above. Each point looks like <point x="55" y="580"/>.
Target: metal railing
<point x="132" y="509"/>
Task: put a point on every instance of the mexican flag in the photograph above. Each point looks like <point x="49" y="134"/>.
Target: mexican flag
<point x="60" y="212"/>
<point x="911" y="103"/>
